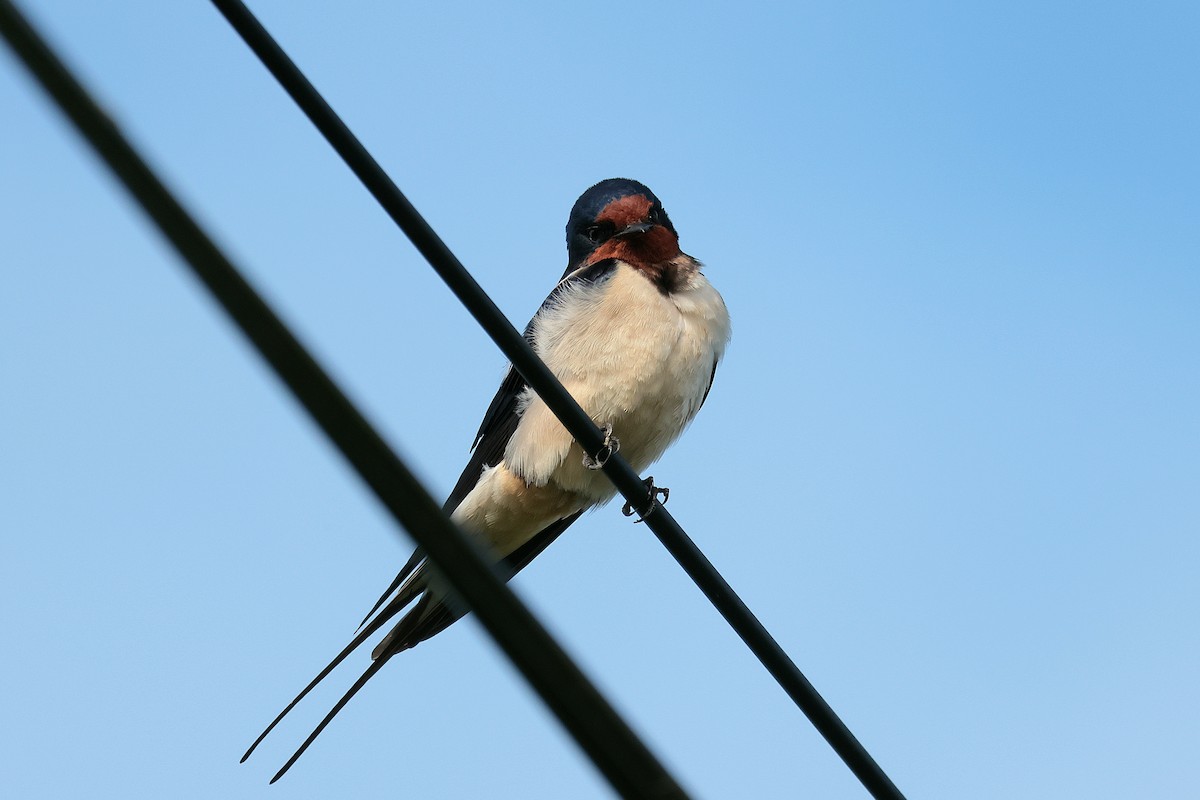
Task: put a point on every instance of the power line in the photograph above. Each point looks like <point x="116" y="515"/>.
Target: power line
<point x="629" y="766"/>
<point x="551" y="391"/>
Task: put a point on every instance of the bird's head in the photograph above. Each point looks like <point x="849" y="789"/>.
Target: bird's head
<point x="620" y="218"/>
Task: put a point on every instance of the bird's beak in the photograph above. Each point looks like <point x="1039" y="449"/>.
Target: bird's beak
<point x="637" y="227"/>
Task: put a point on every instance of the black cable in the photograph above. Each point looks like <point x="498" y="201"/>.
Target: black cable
<point x="574" y="418"/>
<point x="629" y="766"/>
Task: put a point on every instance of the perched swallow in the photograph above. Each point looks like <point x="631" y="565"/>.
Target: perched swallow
<point x="634" y="331"/>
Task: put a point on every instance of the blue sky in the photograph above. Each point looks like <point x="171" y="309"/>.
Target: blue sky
<point x="952" y="459"/>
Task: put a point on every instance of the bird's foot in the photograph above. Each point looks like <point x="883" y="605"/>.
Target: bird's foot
<point x="654" y="493"/>
<point x="611" y="445"/>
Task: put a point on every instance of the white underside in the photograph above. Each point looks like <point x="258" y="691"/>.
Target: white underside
<point x="635" y="359"/>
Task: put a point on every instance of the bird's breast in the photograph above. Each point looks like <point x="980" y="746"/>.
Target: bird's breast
<point x="635" y="358"/>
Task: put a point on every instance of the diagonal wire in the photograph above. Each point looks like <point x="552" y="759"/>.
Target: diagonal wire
<point x="617" y="752"/>
<point x="574" y="418"/>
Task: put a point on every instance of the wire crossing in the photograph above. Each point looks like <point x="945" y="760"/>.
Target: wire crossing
<point x="551" y="391"/>
<point x="617" y="752"/>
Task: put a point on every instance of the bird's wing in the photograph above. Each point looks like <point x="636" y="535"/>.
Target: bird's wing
<point x="708" y="388"/>
<point x="430" y="615"/>
<point x="499" y="422"/>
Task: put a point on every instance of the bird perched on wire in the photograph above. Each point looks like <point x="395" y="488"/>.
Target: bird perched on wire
<point x="634" y="331"/>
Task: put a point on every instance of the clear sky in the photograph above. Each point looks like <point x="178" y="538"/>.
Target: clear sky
<point x="952" y="458"/>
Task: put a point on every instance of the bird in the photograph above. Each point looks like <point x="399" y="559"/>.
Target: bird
<point x="634" y="331"/>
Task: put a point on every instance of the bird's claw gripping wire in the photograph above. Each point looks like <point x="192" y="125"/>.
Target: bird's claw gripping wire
<point x="611" y="445"/>
<point x="654" y="493"/>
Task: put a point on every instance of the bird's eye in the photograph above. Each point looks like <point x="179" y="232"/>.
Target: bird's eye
<point x="594" y="233"/>
<point x="655" y="215"/>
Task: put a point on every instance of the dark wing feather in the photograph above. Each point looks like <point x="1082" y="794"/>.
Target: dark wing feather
<point x="426" y="620"/>
<point x="708" y="389"/>
<point x="518" y="559"/>
<point x="431" y="616"/>
<point x="499" y="422"/>
<point x="501" y="417"/>
<point x="413" y="562"/>
<point x="497" y="428"/>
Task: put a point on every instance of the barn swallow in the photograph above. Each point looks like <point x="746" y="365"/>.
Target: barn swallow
<point x="634" y="331"/>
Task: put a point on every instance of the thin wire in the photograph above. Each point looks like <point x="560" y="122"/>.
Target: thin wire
<point x="573" y="417"/>
<point x="629" y="766"/>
